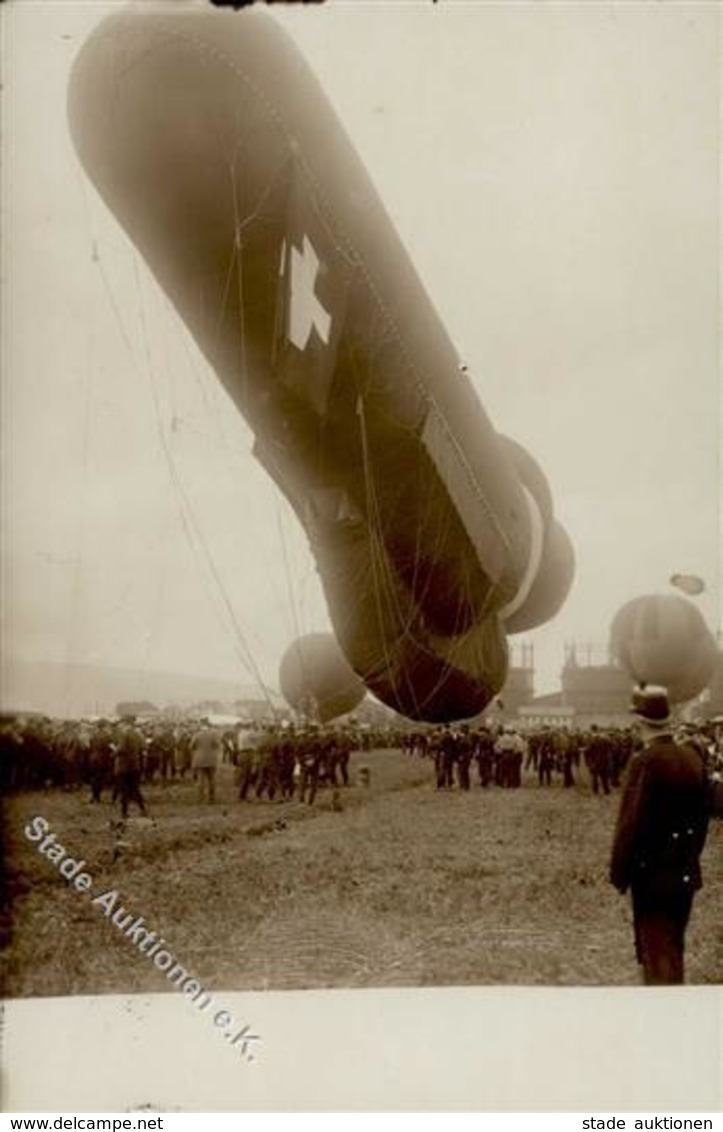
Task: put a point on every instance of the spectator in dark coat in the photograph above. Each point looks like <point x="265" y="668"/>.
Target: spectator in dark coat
<point x="598" y="755"/>
<point x="659" y="837"/>
<point x="128" y="765"/>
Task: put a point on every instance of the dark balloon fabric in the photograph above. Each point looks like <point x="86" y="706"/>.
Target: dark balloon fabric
<point x="316" y="678"/>
<point x="210" y="139"/>
<point x="663" y="639"/>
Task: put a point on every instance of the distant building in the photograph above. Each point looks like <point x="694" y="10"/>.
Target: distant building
<point x="593" y="689"/>
<point x="597" y="690"/>
<point x="262" y="710"/>
<point x="131" y="709"/>
<point x="547" y="711"/>
<point x="519" y="687"/>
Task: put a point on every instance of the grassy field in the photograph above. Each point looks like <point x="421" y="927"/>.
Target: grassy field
<point x="395" y="884"/>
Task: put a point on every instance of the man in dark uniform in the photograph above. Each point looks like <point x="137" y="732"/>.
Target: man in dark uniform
<point x="598" y="758"/>
<point x="566" y="750"/>
<point x="249" y="759"/>
<point x="546" y="759"/>
<point x="449" y="747"/>
<point x="659" y="837"/>
<point x="464" y="757"/>
<point x="100" y="761"/>
<point x="128" y="767"/>
<point x="311" y="756"/>
<point x="485" y="756"/>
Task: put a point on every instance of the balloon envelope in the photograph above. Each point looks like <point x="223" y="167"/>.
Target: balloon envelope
<point x="316" y="678"/>
<point x="212" y="142"/>
<point x="663" y="639"/>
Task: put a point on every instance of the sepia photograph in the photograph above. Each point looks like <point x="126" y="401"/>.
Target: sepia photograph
<point x="361" y="522"/>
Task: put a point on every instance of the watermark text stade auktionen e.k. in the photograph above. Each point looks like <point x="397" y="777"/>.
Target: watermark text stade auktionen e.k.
<point x="146" y="941"/>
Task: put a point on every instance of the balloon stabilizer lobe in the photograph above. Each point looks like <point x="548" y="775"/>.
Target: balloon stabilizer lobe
<point x="212" y="142"/>
<point x="552" y="560"/>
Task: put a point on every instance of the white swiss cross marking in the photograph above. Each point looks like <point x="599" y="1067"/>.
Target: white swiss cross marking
<point x="304" y="309"/>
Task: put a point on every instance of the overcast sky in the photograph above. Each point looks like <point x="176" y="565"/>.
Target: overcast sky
<point x="553" y="172"/>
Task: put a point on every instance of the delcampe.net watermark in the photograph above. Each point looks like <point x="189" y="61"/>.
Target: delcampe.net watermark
<point x="140" y="936"/>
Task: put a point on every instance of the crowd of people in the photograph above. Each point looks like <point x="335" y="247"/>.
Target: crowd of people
<point x="550" y="754"/>
<point x="672" y="783"/>
<point x="671" y="777"/>
<point x="117" y="758"/>
<point x="501" y="754"/>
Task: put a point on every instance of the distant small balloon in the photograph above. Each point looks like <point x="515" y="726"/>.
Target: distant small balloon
<point x="689" y="583"/>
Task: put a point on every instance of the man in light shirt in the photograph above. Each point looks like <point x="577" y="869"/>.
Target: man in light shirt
<point x="206" y="755"/>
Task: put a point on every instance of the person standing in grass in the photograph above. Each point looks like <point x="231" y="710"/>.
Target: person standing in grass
<point x="128" y="767"/>
<point x="206" y="755"/>
<point x="659" y="837"/>
<point x="598" y="760"/>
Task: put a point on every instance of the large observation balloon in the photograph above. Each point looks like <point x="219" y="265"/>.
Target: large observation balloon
<point x="663" y="639"/>
<point x="316" y="678"/>
<point x="210" y="139"/>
